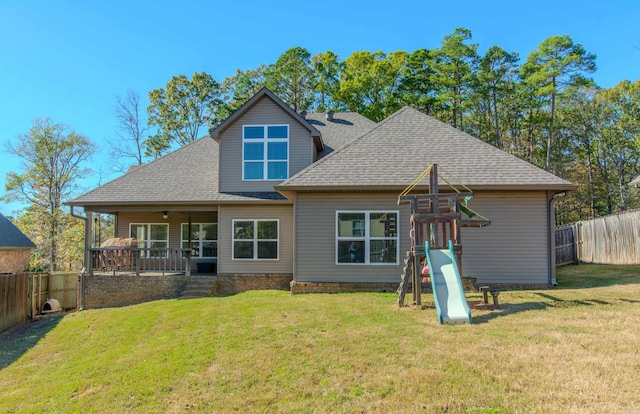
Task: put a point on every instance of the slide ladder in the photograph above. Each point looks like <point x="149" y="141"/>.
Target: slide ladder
<point x="451" y="304"/>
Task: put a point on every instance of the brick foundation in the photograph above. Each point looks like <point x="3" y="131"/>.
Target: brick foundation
<point x="239" y="282"/>
<point x="336" y="287"/>
<point x="123" y="290"/>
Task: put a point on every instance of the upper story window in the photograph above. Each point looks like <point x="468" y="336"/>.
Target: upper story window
<point x="265" y="152"/>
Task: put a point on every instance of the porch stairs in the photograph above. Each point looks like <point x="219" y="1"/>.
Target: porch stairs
<point x="199" y="287"/>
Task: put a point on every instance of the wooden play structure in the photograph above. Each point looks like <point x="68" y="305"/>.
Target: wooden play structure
<point x="436" y="219"/>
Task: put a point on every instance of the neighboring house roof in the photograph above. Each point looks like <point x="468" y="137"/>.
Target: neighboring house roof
<point x="262" y="93"/>
<point x="188" y="175"/>
<point x="11" y="237"/>
<point x="343" y="128"/>
<point x="635" y="182"/>
<point x="395" y="152"/>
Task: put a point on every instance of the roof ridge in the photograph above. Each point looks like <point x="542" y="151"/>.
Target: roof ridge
<point x="342" y="148"/>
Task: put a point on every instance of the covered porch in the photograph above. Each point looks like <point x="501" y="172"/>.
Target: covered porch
<point x="167" y="240"/>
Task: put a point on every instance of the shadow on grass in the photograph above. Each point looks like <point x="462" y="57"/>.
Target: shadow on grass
<point x="506" y="309"/>
<point x="585" y="276"/>
<point x="17" y="340"/>
<point x="550" y="301"/>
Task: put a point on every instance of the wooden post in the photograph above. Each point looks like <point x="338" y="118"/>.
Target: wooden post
<point x="417" y="288"/>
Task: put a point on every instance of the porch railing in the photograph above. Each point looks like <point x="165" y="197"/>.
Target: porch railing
<point x="139" y="259"/>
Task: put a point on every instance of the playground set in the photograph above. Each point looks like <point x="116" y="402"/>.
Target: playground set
<point x="436" y="246"/>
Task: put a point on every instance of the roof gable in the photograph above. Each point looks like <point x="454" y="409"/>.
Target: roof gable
<point x="261" y="94"/>
<point x="11" y="236"/>
<point x="393" y="153"/>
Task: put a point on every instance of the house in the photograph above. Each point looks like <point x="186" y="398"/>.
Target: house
<point x="15" y="248"/>
<point x="277" y="199"/>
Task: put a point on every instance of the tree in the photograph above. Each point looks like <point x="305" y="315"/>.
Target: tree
<point x="416" y="88"/>
<point x="582" y="118"/>
<point x="327" y="69"/>
<point x="496" y="79"/>
<point x="53" y="160"/>
<point x="454" y="65"/>
<point x="621" y="138"/>
<point x="131" y="131"/>
<point x="555" y="65"/>
<point x="292" y="78"/>
<point x="369" y="83"/>
<point x="181" y="110"/>
<point x="237" y="89"/>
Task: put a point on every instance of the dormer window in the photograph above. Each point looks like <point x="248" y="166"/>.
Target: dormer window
<point x="265" y="152"/>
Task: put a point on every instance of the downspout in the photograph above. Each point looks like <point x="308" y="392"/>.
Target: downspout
<point x="551" y="214"/>
<point x="87" y="238"/>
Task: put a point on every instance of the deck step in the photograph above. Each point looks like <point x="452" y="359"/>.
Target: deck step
<point x="200" y="286"/>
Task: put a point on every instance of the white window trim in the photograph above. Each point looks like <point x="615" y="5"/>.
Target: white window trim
<point x="367" y="238"/>
<point x="149" y="241"/>
<point x="255" y="240"/>
<point x="182" y="241"/>
<point x="265" y="160"/>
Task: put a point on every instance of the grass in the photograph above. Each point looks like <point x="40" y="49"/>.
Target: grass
<point x="569" y="349"/>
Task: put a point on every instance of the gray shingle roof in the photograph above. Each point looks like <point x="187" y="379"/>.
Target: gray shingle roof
<point x="344" y="128"/>
<point x="186" y="175"/>
<point x="11" y="237"/>
<point x="635" y="182"/>
<point x="398" y="149"/>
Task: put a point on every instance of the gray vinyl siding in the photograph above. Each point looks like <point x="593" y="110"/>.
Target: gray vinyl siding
<point x="316" y="237"/>
<point x="265" y="112"/>
<point x="513" y="249"/>
<point x="174" y="221"/>
<point x="284" y="264"/>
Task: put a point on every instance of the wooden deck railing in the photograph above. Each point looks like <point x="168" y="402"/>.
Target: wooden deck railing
<point x="139" y="259"/>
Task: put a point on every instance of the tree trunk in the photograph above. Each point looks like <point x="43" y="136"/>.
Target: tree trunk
<point x="498" y="140"/>
<point x="550" y="134"/>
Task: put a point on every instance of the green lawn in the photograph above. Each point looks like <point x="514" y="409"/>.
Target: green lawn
<point x="574" y="348"/>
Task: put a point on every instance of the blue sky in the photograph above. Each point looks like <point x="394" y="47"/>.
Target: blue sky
<point x="67" y="59"/>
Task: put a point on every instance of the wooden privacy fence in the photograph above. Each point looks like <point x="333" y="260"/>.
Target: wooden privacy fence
<point x="23" y="295"/>
<point x="613" y="239"/>
<point x="565" y="245"/>
<point x="14" y="299"/>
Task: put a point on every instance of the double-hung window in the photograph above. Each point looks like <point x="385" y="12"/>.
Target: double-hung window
<point x="265" y="152"/>
<point x="204" y="239"/>
<point x="155" y="236"/>
<point x="367" y="237"/>
<point x="255" y="239"/>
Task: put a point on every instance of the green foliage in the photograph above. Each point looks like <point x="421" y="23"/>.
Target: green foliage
<point x="292" y="78"/>
<point x="416" y="88"/>
<point x="237" y="89"/>
<point x="180" y="110"/>
<point x="454" y="64"/>
<point x="53" y="159"/>
<point x="369" y="83"/>
<point x="529" y="110"/>
<point x="327" y="69"/>
<point x="558" y="63"/>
